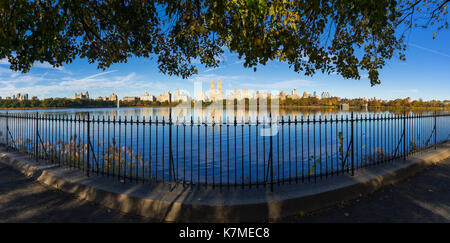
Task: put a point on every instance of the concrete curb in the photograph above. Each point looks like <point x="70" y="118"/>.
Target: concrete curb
<point x="163" y="203"/>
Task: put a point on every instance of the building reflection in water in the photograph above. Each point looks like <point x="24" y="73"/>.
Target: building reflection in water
<point x="217" y="112"/>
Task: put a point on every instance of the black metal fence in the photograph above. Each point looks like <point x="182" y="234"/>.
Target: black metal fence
<point x="228" y="154"/>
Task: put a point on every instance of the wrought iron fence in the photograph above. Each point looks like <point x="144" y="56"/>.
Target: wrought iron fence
<point x="228" y="154"/>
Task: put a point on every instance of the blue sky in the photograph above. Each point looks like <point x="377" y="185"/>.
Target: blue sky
<point x="425" y="74"/>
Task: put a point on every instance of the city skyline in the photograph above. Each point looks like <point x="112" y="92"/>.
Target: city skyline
<point x="213" y="94"/>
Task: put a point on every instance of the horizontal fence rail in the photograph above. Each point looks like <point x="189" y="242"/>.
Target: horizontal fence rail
<point x="221" y="153"/>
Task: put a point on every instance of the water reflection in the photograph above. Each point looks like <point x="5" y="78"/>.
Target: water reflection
<point x="217" y="114"/>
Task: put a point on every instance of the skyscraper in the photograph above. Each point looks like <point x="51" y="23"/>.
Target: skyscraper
<point x="82" y="96"/>
<point x="306" y="95"/>
<point x="113" y="97"/>
<point x="325" y="95"/>
<point x="219" y="86"/>
<point x="212" y="86"/>
<point x="214" y="94"/>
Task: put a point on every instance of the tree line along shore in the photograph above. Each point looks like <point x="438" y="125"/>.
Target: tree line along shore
<point x="285" y="103"/>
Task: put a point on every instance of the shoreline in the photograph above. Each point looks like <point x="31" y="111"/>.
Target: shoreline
<point x="281" y="106"/>
<point x="61" y="108"/>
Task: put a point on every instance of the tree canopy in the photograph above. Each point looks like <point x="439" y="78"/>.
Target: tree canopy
<point x="346" y="37"/>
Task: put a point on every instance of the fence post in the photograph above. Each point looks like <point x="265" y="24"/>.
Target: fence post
<point x="36" y="139"/>
<point x="271" y="154"/>
<point x="353" y="153"/>
<point x="170" y="147"/>
<point x="7" y="132"/>
<point x="435" y="130"/>
<point x="404" y="135"/>
<point x="88" y="144"/>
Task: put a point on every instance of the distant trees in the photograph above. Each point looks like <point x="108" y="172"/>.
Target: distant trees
<point x="55" y="103"/>
<point x="310" y="101"/>
<point x="78" y="103"/>
<point x="288" y="102"/>
<point x="334" y="101"/>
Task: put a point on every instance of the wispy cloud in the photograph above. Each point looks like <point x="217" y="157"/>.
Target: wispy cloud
<point x="44" y="65"/>
<point x="406" y="91"/>
<point x="102" y="83"/>
<point x="206" y="78"/>
<point x="212" y="69"/>
<point x="97" y="75"/>
<point x="429" y="50"/>
<point x="288" y="84"/>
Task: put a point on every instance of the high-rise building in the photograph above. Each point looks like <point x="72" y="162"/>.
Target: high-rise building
<point x="236" y="94"/>
<point x="202" y="96"/>
<point x="325" y="95"/>
<point x="167" y="96"/>
<point x="219" y="86"/>
<point x="147" y="97"/>
<point x="282" y="95"/>
<point x="246" y="94"/>
<point x="82" y="96"/>
<point x="113" y="97"/>
<point x="214" y="94"/>
<point x="21" y="96"/>
<point x="180" y="95"/>
<point x="261" y="95"/>
<point x="212" y="87"/>
<point x="306" y="95"/>
<point x="130" y="99"/>
<point x="294" y="95"/>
